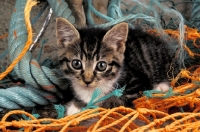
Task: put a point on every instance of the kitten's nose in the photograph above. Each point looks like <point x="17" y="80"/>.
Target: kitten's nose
<point x="88" y="77"/>
<point x="87" y="82"/>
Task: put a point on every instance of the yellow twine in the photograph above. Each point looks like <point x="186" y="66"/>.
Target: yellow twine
<point x="27" y="9"/>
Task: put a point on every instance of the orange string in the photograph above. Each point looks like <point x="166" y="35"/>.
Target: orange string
<point x="4" y="36"/>
<point x="29" y="5"/>
<point x="191" y="34"/>
<point x="111" y="123"/>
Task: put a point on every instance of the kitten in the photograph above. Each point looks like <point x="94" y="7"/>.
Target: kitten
<point x="99" y="58"/>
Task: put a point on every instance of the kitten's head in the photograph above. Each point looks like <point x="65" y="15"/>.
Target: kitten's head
<point x="91" y="57"/>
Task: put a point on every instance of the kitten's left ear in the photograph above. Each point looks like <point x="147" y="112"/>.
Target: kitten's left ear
<point x="117" y="36"/>
<point x="66" y="33"/>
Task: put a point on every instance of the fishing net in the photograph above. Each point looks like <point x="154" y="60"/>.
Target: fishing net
<point x="174" y="110"/>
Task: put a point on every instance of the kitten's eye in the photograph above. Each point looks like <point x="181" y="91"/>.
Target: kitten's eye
<point x="101" y="66"/>
<point x="77" y="64"/>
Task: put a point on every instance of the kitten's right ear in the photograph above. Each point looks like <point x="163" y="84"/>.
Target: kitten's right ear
<point x="117" y="36"/>
<point x="66" y="33"/>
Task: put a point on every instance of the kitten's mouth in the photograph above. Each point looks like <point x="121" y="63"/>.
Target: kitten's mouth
<point x="84" y="85"/>
<point x="88" y="86"/>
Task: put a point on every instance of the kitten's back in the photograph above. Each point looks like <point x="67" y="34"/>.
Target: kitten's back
<point x="147" y="61"/>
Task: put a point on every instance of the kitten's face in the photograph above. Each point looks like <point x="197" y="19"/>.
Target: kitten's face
<point x="88" y="59"/>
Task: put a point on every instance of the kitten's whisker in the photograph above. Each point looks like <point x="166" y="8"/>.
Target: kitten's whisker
<point x="106" y="86"/>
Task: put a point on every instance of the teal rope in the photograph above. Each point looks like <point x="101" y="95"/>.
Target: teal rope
<point x="40" y="81"/>
<point x="169" y="93"/>
<point x="149" y="93"/>
<point x="94" y="99"/>
<point x="39" y="14"/>
<point x="114" y="10"/>
<point x="61" y="9"/>
<point x="17" y="97"/>
<point x="60" y="110"/>
<point x="31" y="75"/>
<point x="128" y="18"/>
<point x="42" y="46"/>
<point x="91" y="9"/>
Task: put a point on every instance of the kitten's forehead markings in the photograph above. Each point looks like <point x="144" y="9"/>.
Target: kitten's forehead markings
<point x="96" y="52"/>
<point x="89" y="53"/>
<point x="83" y="52"/>
<point x="85" y="47"/>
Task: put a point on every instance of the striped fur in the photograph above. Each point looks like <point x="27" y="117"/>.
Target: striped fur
<point x="134" y="58"/>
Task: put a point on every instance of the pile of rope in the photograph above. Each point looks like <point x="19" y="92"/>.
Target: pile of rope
<point x="45" y="83"/>
<point x="151" y="114"/>
<point x="42" y="83"/>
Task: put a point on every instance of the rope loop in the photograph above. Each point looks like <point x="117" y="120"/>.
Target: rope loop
<point x="42" y="82"/>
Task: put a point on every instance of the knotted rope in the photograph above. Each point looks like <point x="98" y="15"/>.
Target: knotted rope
<point x="40" y="79"/>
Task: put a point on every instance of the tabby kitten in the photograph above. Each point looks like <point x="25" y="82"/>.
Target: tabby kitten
<point x="99" y="58"/>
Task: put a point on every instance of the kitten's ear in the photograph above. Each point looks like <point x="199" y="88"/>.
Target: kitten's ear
<point x="66" y="33"/>
<point x="117" y="36"/>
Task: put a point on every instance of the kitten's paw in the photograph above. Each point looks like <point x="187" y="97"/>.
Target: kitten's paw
<point x="71" y="109"/>
<point x="163" y="86"/>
